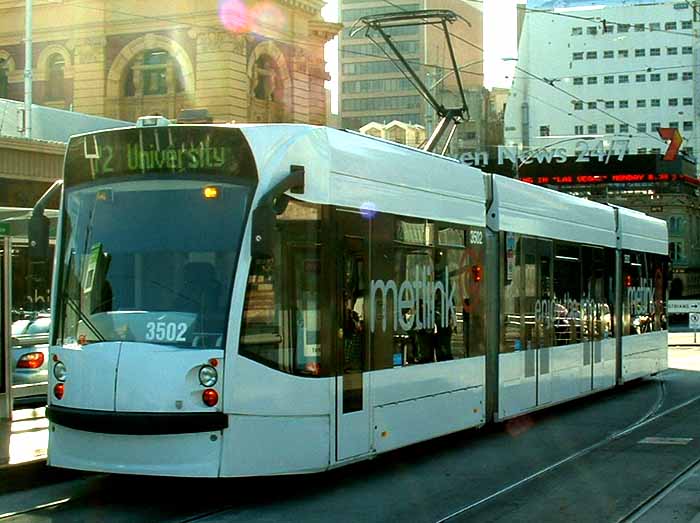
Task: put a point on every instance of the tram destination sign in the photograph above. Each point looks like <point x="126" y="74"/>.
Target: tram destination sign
<point x="170" y="150"/>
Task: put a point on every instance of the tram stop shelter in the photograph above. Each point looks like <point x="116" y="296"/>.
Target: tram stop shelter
<point x="28" y="167"/>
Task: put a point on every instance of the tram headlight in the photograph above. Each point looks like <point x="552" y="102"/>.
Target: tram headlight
<point x="208" y="376"/>
<point x="59" y="371"/>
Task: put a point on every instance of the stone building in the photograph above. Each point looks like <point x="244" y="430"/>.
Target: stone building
<point x="246" y="62"/>
<point x="399" y="132"/>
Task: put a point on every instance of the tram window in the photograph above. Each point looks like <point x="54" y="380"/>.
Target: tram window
<point x="598" y="291"/>
<point x="451" y="237"/>
<point x="543" y="293"/>
<point x="512" y="289"/>
<point x="281" y="325"/>
<point x="530" y="296"/>
<point x="548" y="311"/>
<point x="645" y="279"/>
<point x="414" y="231"/>
<point x="567" y="293"/>
<point x="408" y="272"/>
<point x="133" y="275"/>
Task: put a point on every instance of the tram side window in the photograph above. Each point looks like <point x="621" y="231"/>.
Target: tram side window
<point x="567" y="304"/>
<point x="527" y="305"/>
<point x="598" y="270"/>
<point x="511" y="285"/>
<point x="281" y="325"/>
<point x="645" y="278"/>
<point x="427" y="297"/>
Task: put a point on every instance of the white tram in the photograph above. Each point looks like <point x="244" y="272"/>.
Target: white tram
<point x="274" y="299"/>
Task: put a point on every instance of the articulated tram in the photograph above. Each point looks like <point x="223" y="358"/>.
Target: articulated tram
<point x="274" y="299"/>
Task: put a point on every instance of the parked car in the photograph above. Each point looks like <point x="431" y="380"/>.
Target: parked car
<point x="30" y="354"/>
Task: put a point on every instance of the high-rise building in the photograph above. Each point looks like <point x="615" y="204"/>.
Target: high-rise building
<point x="373" y="89"/>
<point x="616" y="71"/>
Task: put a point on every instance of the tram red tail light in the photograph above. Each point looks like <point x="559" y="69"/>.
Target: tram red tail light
<point x="628" y="280"/>
<point x="476" y="272"/>
<point x="210" y="397"/>
<point x="33" y="360"/>
<point x="58" y="390"/>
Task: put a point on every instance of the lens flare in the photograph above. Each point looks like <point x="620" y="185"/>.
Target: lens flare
<point x="234" y="15"/>
<point x="368" y="210"/>
<point x="267" y="16"/>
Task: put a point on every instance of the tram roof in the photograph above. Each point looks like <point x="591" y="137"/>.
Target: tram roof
<point x="641" y="232"/>
<point x="350" y="169"/>
<point x="529" y="209"/>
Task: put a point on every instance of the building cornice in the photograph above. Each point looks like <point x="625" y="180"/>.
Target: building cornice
<point x="310" y="6"/>
<point x="33" y="146"/>
<point x="324" y="30"/>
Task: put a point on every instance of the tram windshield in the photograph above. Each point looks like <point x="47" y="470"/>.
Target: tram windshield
<point x="149" y="261"/>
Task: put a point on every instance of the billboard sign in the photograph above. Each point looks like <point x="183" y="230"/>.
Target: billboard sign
<point x="561" y="4"/>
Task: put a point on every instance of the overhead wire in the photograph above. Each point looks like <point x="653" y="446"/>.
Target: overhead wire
<point x="221" y="29"/>
<point x="578" y="99"/>
<point x="359" y="53"/>
<point x="596" y="19"/>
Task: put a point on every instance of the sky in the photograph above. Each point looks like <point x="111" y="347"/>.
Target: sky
<point x="499" y="42"/>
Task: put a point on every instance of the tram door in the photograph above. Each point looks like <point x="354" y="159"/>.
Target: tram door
<point x="597" y="315"/>
<point x="352" y="386"/>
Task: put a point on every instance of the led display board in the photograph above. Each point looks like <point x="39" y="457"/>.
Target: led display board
<point x="159" y="151"/>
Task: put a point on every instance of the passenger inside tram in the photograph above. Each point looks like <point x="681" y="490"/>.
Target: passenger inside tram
<point x="353" y="331"/>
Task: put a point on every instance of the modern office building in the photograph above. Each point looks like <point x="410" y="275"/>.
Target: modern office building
<point x="621" y="71"/>
<point x="373" y="89"/>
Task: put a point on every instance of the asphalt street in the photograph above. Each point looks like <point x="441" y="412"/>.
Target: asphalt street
<point x="559" y="465"/>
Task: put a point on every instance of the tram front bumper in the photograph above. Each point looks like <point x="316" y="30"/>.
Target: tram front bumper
<point x="136" y="447"/>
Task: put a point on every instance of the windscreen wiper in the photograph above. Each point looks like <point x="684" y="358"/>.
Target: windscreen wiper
<point x="76" y="308"/>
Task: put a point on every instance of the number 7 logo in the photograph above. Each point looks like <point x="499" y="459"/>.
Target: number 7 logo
<point x="672" y="134"/>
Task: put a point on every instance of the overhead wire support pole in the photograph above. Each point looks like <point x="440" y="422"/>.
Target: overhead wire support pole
<point x="449" y="118"/>
<point x="465" y="108"/>
<point x="422" y="88"/>
<point x="28" y="70"/>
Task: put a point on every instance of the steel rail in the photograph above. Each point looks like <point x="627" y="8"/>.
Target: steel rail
<point x="648" y="418"/>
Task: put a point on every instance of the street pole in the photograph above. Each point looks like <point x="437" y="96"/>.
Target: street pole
<point x="28" y="70"/>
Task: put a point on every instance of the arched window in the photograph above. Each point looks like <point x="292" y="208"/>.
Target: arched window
<point x="56" y="72"/>
<point x="4" y="84"/>
<point x="153" y="72"/>
<point x="267" y="84"/>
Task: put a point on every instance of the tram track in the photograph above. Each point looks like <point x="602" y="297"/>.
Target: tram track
<point x="651" y="501"/>
<point x="64" y="509"/>
<point x="652" y="415"/>
<point x="70" y="503"/>
<point x="65" y="497"/>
